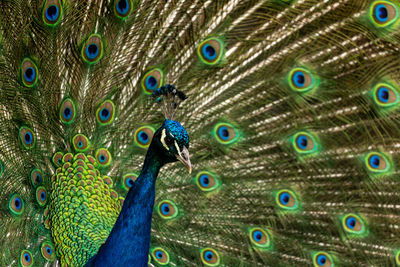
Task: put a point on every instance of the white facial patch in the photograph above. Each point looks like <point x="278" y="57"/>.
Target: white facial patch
<point x="163" y="135"/>
<point x="177" y="148"/>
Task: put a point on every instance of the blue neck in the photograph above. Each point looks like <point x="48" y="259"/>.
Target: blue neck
<point x="129" y="241"/>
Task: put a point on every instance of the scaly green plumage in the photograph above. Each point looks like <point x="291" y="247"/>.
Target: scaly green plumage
<point x="292" y="113"/>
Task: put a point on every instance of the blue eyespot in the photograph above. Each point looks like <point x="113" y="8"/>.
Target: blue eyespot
<point x="208" y="255"/>
<point x="27" y="257"/>
<point x="284" y="198"/>
<point x="17" y="203"/>
<point x="209" y="52"/>
<point x="204" y="180"/>
<point x="257" y="235"/>
<point x="351" y="222"/>
<point x="159" y="254"/>
<point x="165" y="209"/>
<point x="49" y="250"/>
<point x="223" y="133"/>
<point x="104" y="114"/>
<point x="122" y="7"/>
<point x="321" y="260"/>
<point x="43" y="196"/>
<point x="374" y="161"/>
<point x="302" y="141"/>
<point x="130" y="182"/>
<point x="299" y="79"/>
<point x="30" y="74"/>
<point x="92" y="51"/>
<point x="52" y="13"/>
<point x="38" y="178"/>
<point x="143" y="137"/>
<point x="383" y="94"/>
<point x="67" y="113"/>
<point x="151" y="83"/>
<point x="28" y="138"/>
<point x="381" y="13"/>
<point x="102" y="158"/>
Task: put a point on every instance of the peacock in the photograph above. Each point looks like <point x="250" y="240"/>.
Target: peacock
<point x="291" y="108"/>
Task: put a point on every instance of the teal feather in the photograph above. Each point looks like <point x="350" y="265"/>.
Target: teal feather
<point x="291" y="112"/>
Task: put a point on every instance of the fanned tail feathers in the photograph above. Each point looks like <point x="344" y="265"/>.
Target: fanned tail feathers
<point x="292" y="113"/>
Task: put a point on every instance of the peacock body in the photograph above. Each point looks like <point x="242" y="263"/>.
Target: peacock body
<point x="292" y="113"/>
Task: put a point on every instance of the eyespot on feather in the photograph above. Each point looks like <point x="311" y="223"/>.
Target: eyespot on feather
<point x="385" y="95"/>
<point x="80" y="142"/>
<point x="152" y="80"/>
<point x="377" y="163"/>
<point x="129" y="180"/>
<point x="27" y="137"/>
<point x="322" y="259"/>
<point x="260" y="238"/>
<point x="16" y="205"/>
<point x="92" y="50"/>
<point x="167" y="209"/>
<point x="123" y="8"/>
<point x="26" y="258"/>
<point x="206" y="181"/>
<point x="225" y="133"/>
<point x="210" y="257"/>
<point x="211" y="51"/>
<point x="67" y="111"/>
<point x="287" y="200"/>
<point x="143" y="136"/>
<point x="301" y="80"/>
<point x="353" y="224"/>
<point x="36" y="177"/>
<point x="160" y="255"/>
<point x="103" y="157"/>
<point x="57" y="159"/>
<point x="305" y="143"/>
<point x="105" y="113"/>
<point x="383" y="13"/>
<point x="48" y="251"/>
<point x="41" y="196"/>
<point x="29" y="73"/>
<point x="52" y="12"/>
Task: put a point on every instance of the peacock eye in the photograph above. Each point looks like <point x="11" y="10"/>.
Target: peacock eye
<point x="169" y="141"/>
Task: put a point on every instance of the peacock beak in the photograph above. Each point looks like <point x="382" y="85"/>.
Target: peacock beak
<point x="185" y="159"/>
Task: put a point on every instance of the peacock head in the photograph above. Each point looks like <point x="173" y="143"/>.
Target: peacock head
<point x="172" y="141"/>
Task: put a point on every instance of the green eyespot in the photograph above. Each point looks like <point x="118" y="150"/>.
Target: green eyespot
<point x="287" y="200"/>
<point x="29" y="72"/>
<point x="206" y="181"/>
<point x="211" y="51"/>
<point x="80" y="142"/>
<point x="167" y="209"/>
<point x="377" y="163"/>
<point x="210" y="257"/>
<point x="160" y="256"/>
<point x="27" y="137"/>
<point x="92" y="50"/>
<point x="384" y="13"/>
<point x="353" y="224"/>
<point x="105" y="113"/>
<point x="302" y="80"/>
<point x="25" y="258"/>
<point x="322" y="259"/>
<point x="16" y="205"/>
<point x="305" y="143"/>
<point x="52" y="12"/>
<point x="260" y="238"/>
<point x="225" y="133"/>
<point x="103" y="157"/>
<point x="67" y="111"/>
<point x="48" y="251"/>
<point x="143" y="136"/>
<point x="152" y="80"/>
